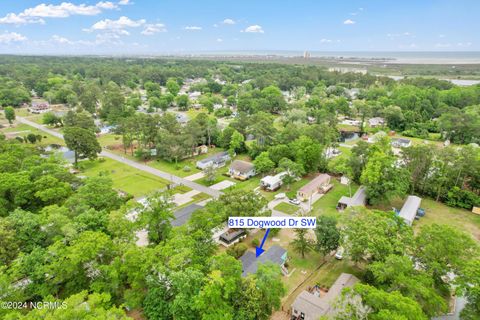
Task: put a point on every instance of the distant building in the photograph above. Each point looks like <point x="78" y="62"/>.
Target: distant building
<point x="181" y="118"/>
<point x="310" y="306"/>
<point x="377" y="137"/>
<point x="217" y="160"/>
<point x="194" y="95"/>
<point x="320" y="184"/>
<point x="409" y="209"/>
<point x="358" y="199"/>
<point x="275" y="254"/>
<point x="241" y="170"/>
<point x="39" y="107"/>
<point x="376" y="122"/>
<point x="331" y="152"/>
<point x="272" y="183"/>
<point x="401" y="143"/>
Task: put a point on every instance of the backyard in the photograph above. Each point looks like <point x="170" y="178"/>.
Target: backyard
<point x="125" y="178"/>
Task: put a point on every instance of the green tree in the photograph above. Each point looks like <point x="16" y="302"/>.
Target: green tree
<point x="469" y="285"/>
<point x="51" y="119"/>
<point x="156" y="217"/>
<point x="327" y="235"/>
<point x="263" y="164"/>
<point x="270" y="284"/>
<point x="9" y="114"/>
<point x="182" y="101"/>
<point x="236" y="141"/>
<point x="308" y="153"/>
<point x="374" y="235"/>
<point x="210" y="173"/>
<point x="293" y="170"/>
<point x="173" y="87"/>
<point x="83" y="142"/>
<point x="442" y="249"/>
<point x="301" y="243"/>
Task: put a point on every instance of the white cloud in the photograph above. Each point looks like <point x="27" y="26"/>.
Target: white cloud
<point x="63" y="10"/>
<point x="398" y="35"/>
<point x="254" y="29"/>
<point x="151" y="29"/>
<point x="124" y="2"/>
<point x="441" y="36"/>
<point x="215" y="25"/>
<point x="121" y="23"/>
<point x="326" y="41"/>
<point x="349" y="21"/>
<point x="61" y="40"/>
<point x="193" y="28"/>
<point x="228" y="21"/>
<point x="8" y="37"/>
<point x="12" y="18"/>
<point x="219" y="40"/>
<point x="443" y="45"/>
<point x="464" y="44"/>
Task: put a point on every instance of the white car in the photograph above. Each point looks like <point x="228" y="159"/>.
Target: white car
<point x="339" y="253"/>
<point x="280" y="196"/>
<point x="294" y="201"/>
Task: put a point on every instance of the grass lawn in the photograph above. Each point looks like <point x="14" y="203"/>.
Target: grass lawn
<point x="287" y="208"/>
<point x="24" y="129"/>
<point x="125" y="178"/>
<point x="196" y="198"/>
<point x="327" y="204"/>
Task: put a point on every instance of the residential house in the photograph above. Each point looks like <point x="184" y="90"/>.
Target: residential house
<point x="377" y="137"/>
<point x="274" y="254"/>
<point x="181" y="118"/>
<point x="39" y="107"/>
<point x="321" y="184"/>
<point x="217" y="160"/>
<point x="241" y="170"/>
<point x="272" y="183"/>
<point x="312" y="305"/>
<point x="331" y="152"/>
<point x="232" y="236"/>
<point x="376" y="122"/>
<point x="358" y="199"/>
<point x="410" y="208"/>
<point x="401" y="143"/>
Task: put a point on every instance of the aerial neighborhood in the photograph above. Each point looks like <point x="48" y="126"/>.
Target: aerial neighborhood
<point x="125" y="178"/>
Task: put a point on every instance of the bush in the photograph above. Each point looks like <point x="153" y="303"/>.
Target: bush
<point x="457" y="197"/>
<point x="255" y="242"/>
<point x="237" y="250"/>
<point x="274" y="231"/>
<point x="187" y="169"/>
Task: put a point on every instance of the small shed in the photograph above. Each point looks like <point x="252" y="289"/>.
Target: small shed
<point x="321" y="184"/>
<point x="410" y="208"/>
<point x="358" y="199"/>
<point x="232" y="236"/>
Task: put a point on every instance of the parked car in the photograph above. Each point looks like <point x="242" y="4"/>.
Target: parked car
<point x="339" y="253"/>
<point x="280" y="196"/>
<point x="294" y="201"/>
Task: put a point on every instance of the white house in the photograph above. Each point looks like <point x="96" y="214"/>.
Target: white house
<point x="376" y="122"/>
<point x="241" y="170"/>
<point x="272" y="183"/>
<point x="217" y="160"/>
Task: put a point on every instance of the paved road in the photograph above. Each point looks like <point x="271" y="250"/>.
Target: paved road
<point x="131" y="163"/>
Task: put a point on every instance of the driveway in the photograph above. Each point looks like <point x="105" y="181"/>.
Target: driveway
<point x="136" y="165"/>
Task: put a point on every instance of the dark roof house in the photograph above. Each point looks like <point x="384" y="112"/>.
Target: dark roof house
<point x="308" y="306"/>
<point x="250" y="262"/>
<point x="358" y="199"/>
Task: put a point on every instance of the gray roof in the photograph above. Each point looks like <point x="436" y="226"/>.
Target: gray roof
<point x="250" y="262"/>
<point x="218" y="157"/>
<point x="314" y="307"/>
<point x="182" y="215"/>
<point x="242" y="166"/>
<point x="358" y="199"/>
<point x="409" y="209"/>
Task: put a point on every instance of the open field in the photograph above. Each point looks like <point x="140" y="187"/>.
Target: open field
<point x="327" y="204"/>
<point x="125" y="178"/>
<point x="20" y="129"/>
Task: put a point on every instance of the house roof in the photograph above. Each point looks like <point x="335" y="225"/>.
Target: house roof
<point x="218" y="157"/>
<point x="232" y="234"/>
<point x="314" y="306"/>
<point x="318" y="181"/>
<point x="269" y="180"/>
<point x="182" y="215"/>
<point x="409" y="209"/>
<point x="401" y="141"/>
<point x="241" y="166"/>
<point x="250" y="262"/>
<point x="358" y="198"/>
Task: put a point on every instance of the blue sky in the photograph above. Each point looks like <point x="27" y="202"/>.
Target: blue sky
<point x="182" y="26"/>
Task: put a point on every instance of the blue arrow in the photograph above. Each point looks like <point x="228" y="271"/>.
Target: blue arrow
<point x="259" y="250"/>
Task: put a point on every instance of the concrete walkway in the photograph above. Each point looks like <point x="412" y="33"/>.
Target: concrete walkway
<point x="136" y="165"/>
<point x="195" y="176"/>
